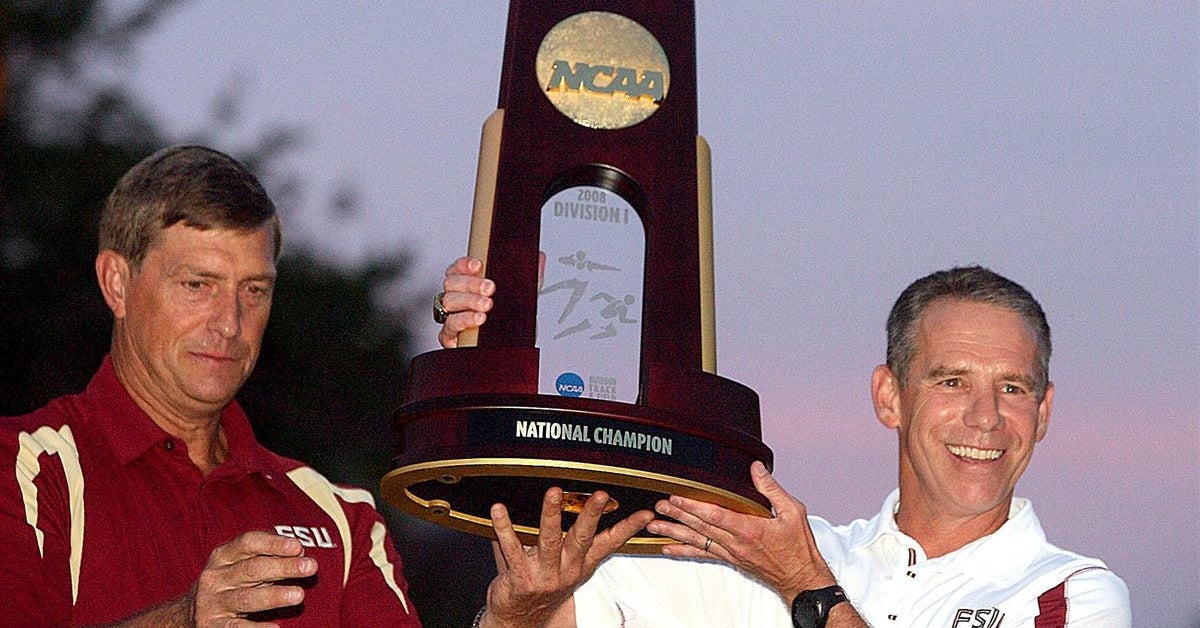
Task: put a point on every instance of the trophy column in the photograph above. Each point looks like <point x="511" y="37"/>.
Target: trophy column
<point x="596" y="368"/>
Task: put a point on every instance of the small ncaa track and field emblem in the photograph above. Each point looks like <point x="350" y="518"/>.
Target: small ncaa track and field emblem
<point x="569" y="385"/>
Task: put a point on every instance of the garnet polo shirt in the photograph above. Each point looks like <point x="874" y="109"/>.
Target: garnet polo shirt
<point x="103" y="515"/>
<point x="1011" y="578"/>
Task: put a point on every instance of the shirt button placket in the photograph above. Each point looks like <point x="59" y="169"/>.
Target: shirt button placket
<point x="906" y="582"/>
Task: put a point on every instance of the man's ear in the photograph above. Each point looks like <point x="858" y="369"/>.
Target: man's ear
<point x="885" y="394"/>
<point x="112" y="273"/>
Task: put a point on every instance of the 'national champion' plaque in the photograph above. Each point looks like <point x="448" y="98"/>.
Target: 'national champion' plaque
<point x="597" y="366"/>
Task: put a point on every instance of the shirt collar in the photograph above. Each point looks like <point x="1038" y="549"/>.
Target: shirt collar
<point x="1002" y="556"/>
<point x="883" y="535"/>
<point x="131" y="432"/>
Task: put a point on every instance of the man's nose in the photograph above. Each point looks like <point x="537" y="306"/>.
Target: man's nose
<point x="226" y="318"/>
<point x="984" y="410"/>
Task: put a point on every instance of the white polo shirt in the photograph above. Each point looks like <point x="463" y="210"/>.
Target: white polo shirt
<point x="1012" y="578"/>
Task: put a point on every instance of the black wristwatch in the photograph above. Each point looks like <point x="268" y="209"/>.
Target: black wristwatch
<point x="810" y="609"/>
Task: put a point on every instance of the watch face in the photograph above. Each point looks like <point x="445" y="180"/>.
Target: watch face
<point x="806" y="612"/>
<point x="810" y="609"/>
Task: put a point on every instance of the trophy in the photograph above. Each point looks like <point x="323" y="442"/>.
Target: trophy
<point x="597" y="366"/>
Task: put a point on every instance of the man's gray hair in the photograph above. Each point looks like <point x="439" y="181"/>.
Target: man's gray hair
<point x="969" y="283"/>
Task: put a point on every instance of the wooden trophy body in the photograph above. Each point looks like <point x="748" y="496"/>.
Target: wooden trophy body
<point x="602" y="374"/>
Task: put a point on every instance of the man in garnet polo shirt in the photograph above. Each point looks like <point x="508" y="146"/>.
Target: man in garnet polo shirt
<point x="145" y="500"/>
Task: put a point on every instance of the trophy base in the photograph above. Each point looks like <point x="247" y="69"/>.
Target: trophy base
<point x="475" y="432"/>
<point x="458" y="494"/>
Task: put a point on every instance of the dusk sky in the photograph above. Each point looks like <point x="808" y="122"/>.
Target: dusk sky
<point x="856" y="147"/>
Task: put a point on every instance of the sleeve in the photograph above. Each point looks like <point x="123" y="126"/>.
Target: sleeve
<point x="35" y="525"/>
<point x="1097" y="598"/>
<point x="595" y="600"/>
<point x="663" y="592"/>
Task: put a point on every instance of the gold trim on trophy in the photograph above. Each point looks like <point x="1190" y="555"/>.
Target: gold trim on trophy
<point x="397" y="488"/>
<point x="708" y="304"/>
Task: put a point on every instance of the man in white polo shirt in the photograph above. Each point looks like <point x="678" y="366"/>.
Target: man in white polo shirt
<point x="966" y="386"/>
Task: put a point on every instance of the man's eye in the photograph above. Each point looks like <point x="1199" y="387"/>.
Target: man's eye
<point x="194" y="285"/>
<point x="953" y="382"/>
<point x="1012" y="389"/>
<point x="258" y="291"/>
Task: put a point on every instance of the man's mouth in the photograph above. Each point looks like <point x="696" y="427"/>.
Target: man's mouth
<point x="974" y="453"/>
<point x="219" y="358"/>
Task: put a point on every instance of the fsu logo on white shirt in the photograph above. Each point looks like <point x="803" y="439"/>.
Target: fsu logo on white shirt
<point x="977" y="618"/>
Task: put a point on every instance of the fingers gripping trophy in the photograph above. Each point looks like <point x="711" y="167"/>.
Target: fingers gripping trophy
<point x="597" y="366"/>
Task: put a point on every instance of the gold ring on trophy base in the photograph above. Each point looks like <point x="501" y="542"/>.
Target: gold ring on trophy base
<point x="603" y="70"/>
<point x="410" y="488"/>
<point x="573" y="501"/>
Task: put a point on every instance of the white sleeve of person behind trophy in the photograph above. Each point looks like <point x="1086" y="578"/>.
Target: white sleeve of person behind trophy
<point x="663" y="592"/>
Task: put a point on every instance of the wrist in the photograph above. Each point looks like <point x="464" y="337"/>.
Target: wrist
<point x="841" y="614"/>
<point x="791" y="590"/>
<point x="487" y="618"/>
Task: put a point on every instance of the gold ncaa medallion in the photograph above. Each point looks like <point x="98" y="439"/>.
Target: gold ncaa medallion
<point x="603" y="70"/>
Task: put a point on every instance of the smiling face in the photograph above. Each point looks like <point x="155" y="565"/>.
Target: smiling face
<point x="189" y="320"/>
<point x="968" y="414"/>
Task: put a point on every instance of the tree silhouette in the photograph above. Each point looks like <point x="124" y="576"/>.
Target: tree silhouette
<point x="334" y="356"/>
<point x="65" y="142"/>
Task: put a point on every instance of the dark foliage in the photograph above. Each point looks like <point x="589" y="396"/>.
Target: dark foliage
<point x="334" y="357"/>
